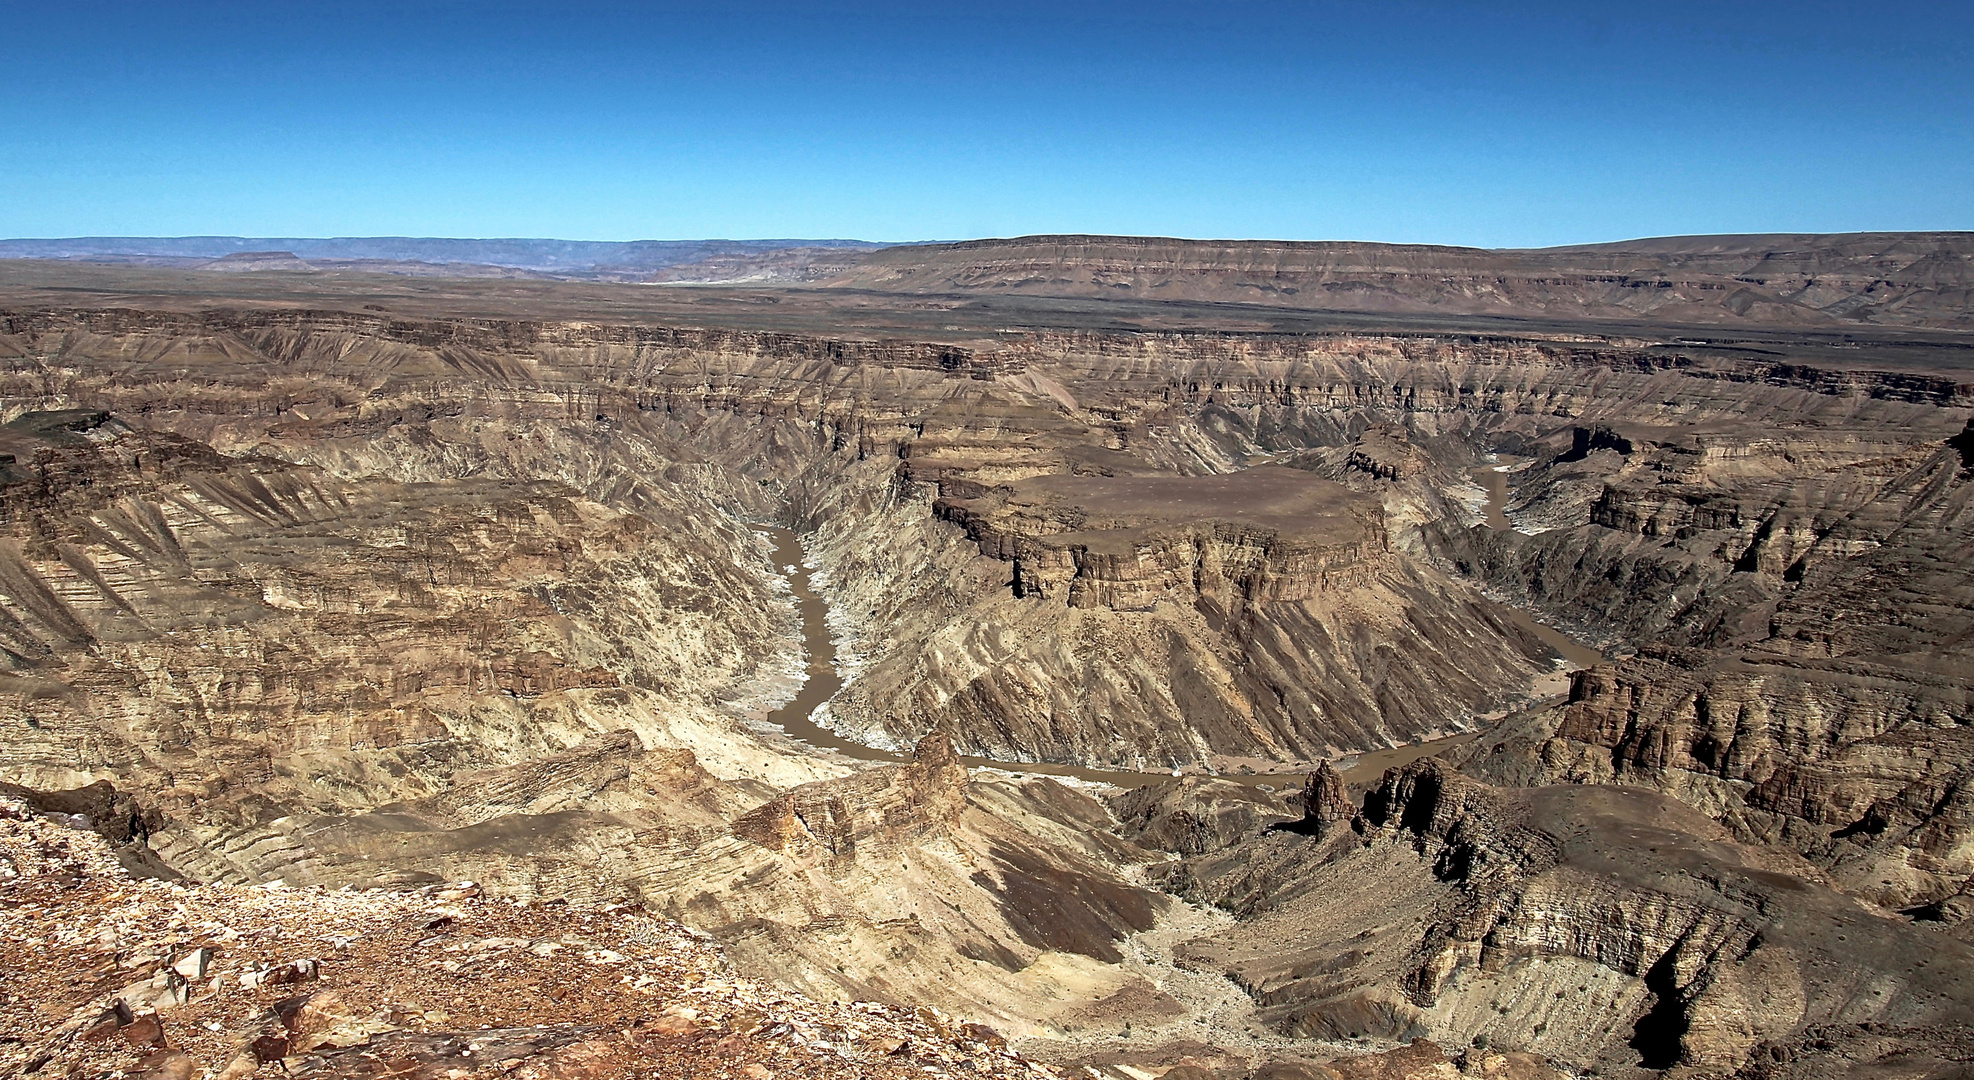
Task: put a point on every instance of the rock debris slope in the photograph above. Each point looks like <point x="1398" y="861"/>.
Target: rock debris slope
<point x="110" y="975"/>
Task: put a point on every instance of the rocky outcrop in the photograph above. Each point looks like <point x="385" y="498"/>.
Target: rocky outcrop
<point x="1196" y="815"/>
<point x="824" y="821"/>
<point x="1154" y="634"/>
<point x="1808" y="610"/>
<point x="1258" y="535"/>
<point x="424" y="983"/>
<point x="1464" y="906"/>
<point x="1326" y="806"/>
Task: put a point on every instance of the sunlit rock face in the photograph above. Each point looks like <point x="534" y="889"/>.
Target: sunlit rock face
<point x="1260" y="613"/>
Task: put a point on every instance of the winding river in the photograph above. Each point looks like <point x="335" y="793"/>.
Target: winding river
<point x="797" y="718"/>
<point x="1494" y="480"/>
<point x="821" y="681"/>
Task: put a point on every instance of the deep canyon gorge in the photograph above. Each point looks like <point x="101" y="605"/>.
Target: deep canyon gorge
<point x="1174" y="694"/>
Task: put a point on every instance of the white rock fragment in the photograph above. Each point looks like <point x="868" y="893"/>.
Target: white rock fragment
<point x="193" y="964"/>
<point x="164" y="990"/>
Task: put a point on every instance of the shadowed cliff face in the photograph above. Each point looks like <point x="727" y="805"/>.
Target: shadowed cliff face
<point x="350" y="600"/>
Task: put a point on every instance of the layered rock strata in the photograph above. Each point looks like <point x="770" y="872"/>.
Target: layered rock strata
<point x="1166" y="633"/>
<point x="1805" y="611"/>
<point x="1593" y="924"/>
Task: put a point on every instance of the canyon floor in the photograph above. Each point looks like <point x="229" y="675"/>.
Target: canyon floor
<point x="426" y="676"/>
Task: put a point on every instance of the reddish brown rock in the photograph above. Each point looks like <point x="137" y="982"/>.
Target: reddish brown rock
<point x="1326" y="805"/>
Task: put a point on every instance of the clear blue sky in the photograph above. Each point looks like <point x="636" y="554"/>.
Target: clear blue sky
<point x="1487" y="124"/>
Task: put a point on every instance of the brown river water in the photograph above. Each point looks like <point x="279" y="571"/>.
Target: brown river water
<point x="1495" y="516"/>
<point x="821" y="682"/>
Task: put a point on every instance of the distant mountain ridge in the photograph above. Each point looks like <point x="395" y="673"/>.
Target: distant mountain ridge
<point x="546" y="256"/>
<point x="1898" y="279"/>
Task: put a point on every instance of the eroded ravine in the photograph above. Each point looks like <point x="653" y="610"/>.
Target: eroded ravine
<point x="822" y="680"/>
<point x="1494" y="514"/>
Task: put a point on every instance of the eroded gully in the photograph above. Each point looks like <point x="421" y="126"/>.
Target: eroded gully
<point x="821" y="681"/>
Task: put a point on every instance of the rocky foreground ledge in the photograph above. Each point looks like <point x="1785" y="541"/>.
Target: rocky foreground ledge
<point x="105" y="976"/>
